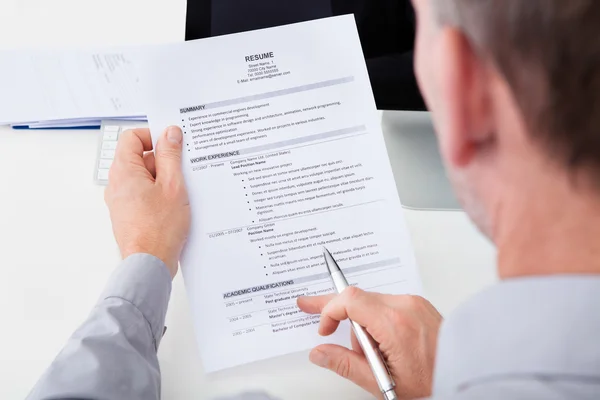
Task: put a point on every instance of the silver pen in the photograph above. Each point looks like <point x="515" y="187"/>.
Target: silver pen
<point x="367" y="343"/>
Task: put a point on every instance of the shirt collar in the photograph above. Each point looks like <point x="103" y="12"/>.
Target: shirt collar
<point x="534" y="326"/>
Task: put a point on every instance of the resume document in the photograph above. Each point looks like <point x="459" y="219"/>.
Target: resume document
<point x="283" y="154"/>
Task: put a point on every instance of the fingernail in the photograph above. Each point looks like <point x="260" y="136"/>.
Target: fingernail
<point x="319" y="358"/>
<point x="174" y="135"/>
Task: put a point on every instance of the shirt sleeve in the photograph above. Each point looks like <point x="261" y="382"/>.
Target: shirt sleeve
<point x="113" y="354"/>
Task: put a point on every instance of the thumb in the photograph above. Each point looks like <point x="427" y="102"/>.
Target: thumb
<point x="347" y="364"/>
<point x="168" y="154"/>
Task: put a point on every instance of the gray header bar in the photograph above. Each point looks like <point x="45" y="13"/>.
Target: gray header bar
<point x="312" y="278"/>
<point x="269" y="95"/>
<point x="349" y="271"/>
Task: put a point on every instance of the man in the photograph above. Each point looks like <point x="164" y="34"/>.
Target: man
<point x="514" y="87"/>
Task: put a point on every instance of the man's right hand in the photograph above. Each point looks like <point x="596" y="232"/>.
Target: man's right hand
<point x="406" y="328"/>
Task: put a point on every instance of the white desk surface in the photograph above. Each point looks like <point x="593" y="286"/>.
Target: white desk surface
<point x="57" y="248"/>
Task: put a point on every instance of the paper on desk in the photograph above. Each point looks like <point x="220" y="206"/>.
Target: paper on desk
<point x="45" y="85"/>
<point x="74" y="123"/>
<point x="283" y="154"/>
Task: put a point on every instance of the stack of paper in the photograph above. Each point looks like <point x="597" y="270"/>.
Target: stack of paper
<point x="68" y="88"/>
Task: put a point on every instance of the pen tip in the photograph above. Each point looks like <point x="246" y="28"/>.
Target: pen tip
<point x="330" y="261"/>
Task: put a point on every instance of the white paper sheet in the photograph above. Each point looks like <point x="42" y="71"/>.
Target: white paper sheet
<point x="283" y="154"/>
<point x="42" y="85"/>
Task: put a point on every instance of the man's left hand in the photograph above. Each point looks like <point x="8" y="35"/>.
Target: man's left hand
<point x="147" y="198"/>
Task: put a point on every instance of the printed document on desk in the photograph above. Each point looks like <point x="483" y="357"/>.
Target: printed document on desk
<point x="283" y="154"/>
<point x="73" y="86"/>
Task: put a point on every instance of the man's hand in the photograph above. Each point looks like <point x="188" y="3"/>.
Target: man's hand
<point x="406" y="328"/>
<point x="147" y="198"/>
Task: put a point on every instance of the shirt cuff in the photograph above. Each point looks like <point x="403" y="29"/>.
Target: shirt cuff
<point x="144" y="281"/>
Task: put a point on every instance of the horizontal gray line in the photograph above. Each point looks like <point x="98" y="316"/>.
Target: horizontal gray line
<point x="283" y="305"/>
<point x="264" y="309"/>
<point x="299" y="216"/>
<point x="278" y="93"/>
<point x="293" y="148"/>
<point x="304" y="139"/>
<point x="305" y="315"/>
<point x="387" y="284"/>
<point x="347" y="271"/>
<point x="355" y="275"/>
<point x="279" y="291"/>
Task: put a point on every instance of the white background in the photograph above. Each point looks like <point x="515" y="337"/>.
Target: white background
<point x="56" y="245"/>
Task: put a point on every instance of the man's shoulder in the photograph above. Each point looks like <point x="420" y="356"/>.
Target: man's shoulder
<point x="527" y="388"/>
<point x="249" y="396"/>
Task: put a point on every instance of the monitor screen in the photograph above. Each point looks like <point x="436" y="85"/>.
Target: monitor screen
<point x="232" y="16"/>
<point x="386" y="29"/>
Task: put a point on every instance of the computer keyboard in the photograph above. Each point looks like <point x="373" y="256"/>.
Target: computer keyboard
<point x="110" y="132"/>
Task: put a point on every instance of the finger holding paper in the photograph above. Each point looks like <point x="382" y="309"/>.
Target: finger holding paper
<point x="147" y="198"/>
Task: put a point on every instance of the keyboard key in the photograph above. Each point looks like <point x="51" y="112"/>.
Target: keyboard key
<point x="109" y="135"/>
<point x="109" y="145"/>
<point x="105" y="164"/>
<point x="102" y="174"/>
<point x="107" y="154"/>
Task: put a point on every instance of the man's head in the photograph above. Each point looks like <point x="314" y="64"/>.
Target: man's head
<point x="514" y="87"/>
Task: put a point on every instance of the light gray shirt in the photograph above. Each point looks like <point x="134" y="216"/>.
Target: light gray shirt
<point x="524" y="339"/>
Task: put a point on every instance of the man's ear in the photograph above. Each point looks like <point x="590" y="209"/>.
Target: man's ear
<point x="464" y="88"/>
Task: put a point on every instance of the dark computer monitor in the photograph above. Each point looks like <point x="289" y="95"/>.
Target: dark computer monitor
<point x="386" y="29"/>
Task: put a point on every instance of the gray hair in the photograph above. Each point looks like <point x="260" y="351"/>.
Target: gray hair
<point x="549" y="53"/>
